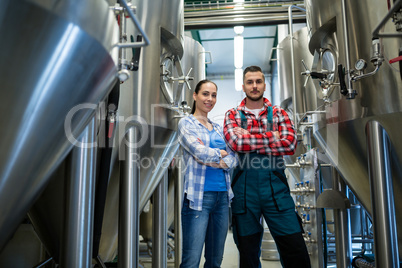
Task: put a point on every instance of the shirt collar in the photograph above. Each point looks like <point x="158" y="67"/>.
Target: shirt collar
<point x="242" y="105"/>
<point x="192" y="117"/>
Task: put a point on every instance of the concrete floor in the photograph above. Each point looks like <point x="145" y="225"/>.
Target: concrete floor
<point x="230" y="258"/>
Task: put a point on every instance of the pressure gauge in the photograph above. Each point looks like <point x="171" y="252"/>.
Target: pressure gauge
<point x="360" y="64"/>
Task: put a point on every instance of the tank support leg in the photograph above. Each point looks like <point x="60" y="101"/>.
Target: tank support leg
<point x="178" y="192"/>
<point x="77" y="237"/>
<point x="159" y="247"/>
<point x="342" y="225"/>
<point x="382" y="196"/>
<point x="129" y="203"/>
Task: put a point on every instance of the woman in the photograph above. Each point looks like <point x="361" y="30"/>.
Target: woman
<point x="207" y="192"/>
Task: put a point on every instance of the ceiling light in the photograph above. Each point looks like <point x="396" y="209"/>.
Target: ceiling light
<point x="238" y="79"/>
<point x="238" y="4"/>
<point x="238" y="51"/>
<point x="238" y="29"/>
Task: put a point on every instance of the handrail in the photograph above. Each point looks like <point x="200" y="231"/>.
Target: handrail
<point x="376" y="31"/>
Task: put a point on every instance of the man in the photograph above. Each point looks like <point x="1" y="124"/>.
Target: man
<point x="262" y="134"/>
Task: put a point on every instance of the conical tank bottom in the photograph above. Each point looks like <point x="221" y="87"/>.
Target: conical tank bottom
<point x="155" y="157"/>
<point x="53" y="75"/>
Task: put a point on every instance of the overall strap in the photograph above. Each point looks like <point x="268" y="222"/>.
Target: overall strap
<point x="270" y="115"/>
<point x="243" y="120"/>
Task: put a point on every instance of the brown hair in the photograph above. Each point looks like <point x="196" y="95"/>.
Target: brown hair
<point x="197" y="89"/>
<point x="252" y="69"/>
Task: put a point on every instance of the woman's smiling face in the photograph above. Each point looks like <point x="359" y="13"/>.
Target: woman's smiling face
<point x="206" y="98"/>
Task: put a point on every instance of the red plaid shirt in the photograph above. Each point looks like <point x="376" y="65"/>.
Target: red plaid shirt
<point x="261" y="139"/>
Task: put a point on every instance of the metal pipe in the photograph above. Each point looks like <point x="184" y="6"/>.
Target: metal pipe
<point x="100" y="262"/>
<point x="123" y="39"/>
<point x="382" y="197"/>
<point x="293" y="64"/>
<point x="128" y="247"/>
<point x="231" y="21"/>
<point x="342" y="231"/>
<point x="76" y="250"/>
<point x="351" y="92"/>
<point x="169" y="152"/>
<point x="298" y="165"/>
<point x="178" y="193"/>
<point x="377" y="67"/>
<point x="145" y="41"/>
<point x="224" y="15"/>
<point x="376" y="32"/>
<point x="228" y="5"/>
<point x="43" y="263"/>
<point x="159" y="246"/>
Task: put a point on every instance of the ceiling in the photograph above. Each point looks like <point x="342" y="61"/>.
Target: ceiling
<point x="258" y="41"/>
<point x="211" y="23"/>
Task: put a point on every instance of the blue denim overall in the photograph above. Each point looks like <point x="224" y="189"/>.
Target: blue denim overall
<point x="260" y="189"/>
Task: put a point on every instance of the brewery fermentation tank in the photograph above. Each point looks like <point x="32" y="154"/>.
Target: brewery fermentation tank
<point x="306" y="95"/>
<point x="341" y="131"/>
<point x="153" y="100"/>
<point x="57" y="63"/>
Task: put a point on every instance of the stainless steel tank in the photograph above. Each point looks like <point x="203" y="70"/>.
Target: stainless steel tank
<point x="379" y="97"/>
<point x="193" y="61"/>
<point x="153" y="107"/>
<point x="142" y="96"/>
<point x="306" y="97"/>
<point x="57" y="64"/>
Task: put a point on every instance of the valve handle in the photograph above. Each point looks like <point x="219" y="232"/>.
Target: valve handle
<point x="188" y="78"/>
<point x="318" y="75"/>
<point x="342" y="83"/>
<point x="136" y="54"/>
<point x="314" y="75"/>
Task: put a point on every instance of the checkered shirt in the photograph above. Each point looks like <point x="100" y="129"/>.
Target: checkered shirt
<point x="261" y="139"/>
<point x="195" y="154"/>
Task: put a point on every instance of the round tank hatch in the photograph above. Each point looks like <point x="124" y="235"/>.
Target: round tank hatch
<point x="167" y="68"/>
<point x="328" y="64"/>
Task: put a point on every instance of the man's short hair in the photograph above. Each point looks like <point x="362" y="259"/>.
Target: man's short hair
<point x="253" y="69"/>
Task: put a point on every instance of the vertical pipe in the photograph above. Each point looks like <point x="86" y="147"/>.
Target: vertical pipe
<point x="349" y="251"/>
<point x="351" y="92"/>
<point x="382" y="197"/>
<point x="159" y="245"/>
<point x="76" y="249"/>
<point x="318" y="217"/>
<point x="178" y="193"/>
<point x="129" y="202"/>
<point x="342" y="231"/>
<point x="123" y="39"/>
<point x="295" y="119"/>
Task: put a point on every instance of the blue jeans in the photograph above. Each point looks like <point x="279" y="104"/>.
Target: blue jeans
<point x="210" y="226"/>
